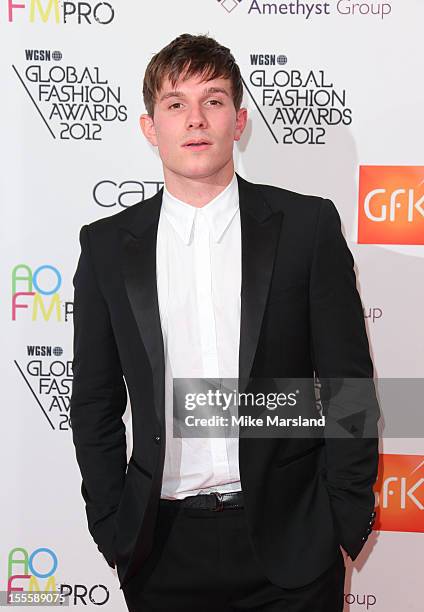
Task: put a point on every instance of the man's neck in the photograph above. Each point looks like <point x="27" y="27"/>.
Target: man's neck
<point x="198" y="192"/>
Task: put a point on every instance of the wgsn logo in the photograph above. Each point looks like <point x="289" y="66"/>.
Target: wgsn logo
<point x="391" y="205"/>
<point x="297" y="106"/>
<point x="59" y="12"/>
<point x="49" y="378"/>
<point x="32" y="579"/>
<point x="400" y="493"/>
<point x="36" y="292"/>
<point x="74" y="102"/>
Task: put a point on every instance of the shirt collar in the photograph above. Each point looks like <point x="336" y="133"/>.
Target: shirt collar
<point x="218" y="212"/>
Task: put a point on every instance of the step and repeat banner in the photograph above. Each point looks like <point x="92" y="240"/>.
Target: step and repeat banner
<point x="335" y="97"/>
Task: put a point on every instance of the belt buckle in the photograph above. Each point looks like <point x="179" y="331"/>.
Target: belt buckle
<point x="220" y="501"/>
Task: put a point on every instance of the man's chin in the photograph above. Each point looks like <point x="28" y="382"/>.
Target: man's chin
<point x="198" y="172"/>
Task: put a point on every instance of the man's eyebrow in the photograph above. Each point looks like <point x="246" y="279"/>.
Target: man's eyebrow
<point x="206" y="92"/>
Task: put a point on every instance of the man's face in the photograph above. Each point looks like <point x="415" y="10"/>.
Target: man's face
<point x="194" y="126"/>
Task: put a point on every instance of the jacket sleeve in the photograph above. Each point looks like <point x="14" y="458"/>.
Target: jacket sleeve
<point x="98" y="402"/>
<point x="340" y="353"/>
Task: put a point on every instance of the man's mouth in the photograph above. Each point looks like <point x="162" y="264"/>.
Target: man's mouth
<point x="197" y="145"/>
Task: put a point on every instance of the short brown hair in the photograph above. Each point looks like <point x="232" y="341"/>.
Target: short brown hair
<point x="191" y="55"/>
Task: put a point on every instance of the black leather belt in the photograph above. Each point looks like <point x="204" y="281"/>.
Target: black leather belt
<point x="214" y="501"/>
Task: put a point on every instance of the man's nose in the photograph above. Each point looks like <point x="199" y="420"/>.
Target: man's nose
<point x="196" y="118"/>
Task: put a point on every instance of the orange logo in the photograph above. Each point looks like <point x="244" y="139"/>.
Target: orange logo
<point x="400" y="493"/>
<point x="391" y="205"/>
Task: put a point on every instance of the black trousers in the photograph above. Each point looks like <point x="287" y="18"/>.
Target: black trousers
<point x="203" y="561"/>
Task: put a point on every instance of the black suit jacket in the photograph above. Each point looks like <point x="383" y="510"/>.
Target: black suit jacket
<point x="300" y="314"/>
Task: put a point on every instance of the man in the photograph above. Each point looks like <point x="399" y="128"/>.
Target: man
<point x="216" y="277"/>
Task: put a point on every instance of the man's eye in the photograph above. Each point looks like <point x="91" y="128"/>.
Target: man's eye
<point x="214" y="102"/>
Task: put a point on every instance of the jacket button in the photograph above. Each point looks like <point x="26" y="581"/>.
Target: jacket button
<point x="157" y="439"/>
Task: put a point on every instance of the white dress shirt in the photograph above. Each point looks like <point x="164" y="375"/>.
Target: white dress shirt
<point x="198" y="273"/>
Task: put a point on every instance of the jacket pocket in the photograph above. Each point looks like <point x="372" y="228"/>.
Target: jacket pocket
<point x="133" y="463"/>
<point x="300" y="455"/>
<point x="293" y="291"/>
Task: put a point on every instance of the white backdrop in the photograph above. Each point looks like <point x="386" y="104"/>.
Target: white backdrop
<point x="72" y="152"/>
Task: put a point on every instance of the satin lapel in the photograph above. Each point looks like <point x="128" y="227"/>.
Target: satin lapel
<point x="260" y="229"/>
<point x="138" y="261"/>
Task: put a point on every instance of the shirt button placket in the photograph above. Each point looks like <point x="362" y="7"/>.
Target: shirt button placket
<point x="207" y="325"/>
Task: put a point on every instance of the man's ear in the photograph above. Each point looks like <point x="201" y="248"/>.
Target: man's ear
<point x="148" y="128"/>
<point x="241" y="121"/>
